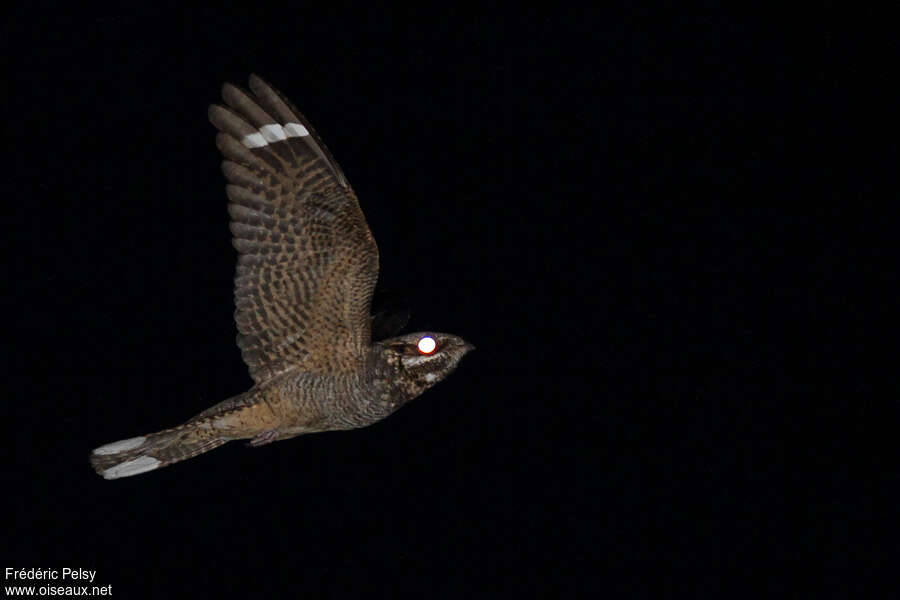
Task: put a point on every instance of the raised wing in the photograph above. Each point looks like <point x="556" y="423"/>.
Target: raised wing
<point x="307" y="261"/>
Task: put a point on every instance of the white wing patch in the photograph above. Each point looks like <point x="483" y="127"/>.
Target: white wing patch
<point x="120" y="446"/>
<point x="274" y="133"/>
<point x="254" y="140"/>
<point x="295" y="130"/>
<point x="131" y="467"/>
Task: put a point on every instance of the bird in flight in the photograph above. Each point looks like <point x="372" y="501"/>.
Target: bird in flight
<point x="307" y="267"/>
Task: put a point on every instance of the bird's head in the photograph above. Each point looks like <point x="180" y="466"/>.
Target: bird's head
<point x="422" y="359"/>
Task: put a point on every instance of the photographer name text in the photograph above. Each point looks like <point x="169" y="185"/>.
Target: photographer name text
<point x="52" y="574"/>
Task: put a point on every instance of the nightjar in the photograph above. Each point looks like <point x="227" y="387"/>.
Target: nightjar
<point x="306" y="271"/>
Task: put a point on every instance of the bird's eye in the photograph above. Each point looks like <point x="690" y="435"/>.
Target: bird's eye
<point x="427" y="345"/>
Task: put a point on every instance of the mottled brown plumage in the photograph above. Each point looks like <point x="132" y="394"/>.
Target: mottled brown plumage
<point x="306" y="270"/>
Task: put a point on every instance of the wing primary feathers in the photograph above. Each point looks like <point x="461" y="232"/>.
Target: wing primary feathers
<point x="231" y="123"/>
<point x="240" y="175"/>
<point x="276" y="104"/>
<point x="239" y="153"/>
<point x="260" y="120"/>
<point x="244" y="105"/>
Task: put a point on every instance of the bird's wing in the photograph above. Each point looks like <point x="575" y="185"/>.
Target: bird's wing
<point x="307" y="261"/>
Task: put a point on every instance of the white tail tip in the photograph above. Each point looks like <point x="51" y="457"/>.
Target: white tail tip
<point x="131" y="467"/>
<point x="120" y="446"/>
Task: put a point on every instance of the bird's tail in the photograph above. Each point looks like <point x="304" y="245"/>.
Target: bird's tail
<point x="153" y="451"/>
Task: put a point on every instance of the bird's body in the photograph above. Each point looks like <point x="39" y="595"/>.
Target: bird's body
<point x="299" y="402"/>
<point x="306" y="271"/>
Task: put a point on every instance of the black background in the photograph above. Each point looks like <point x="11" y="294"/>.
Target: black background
<point x="659" y="227"/>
